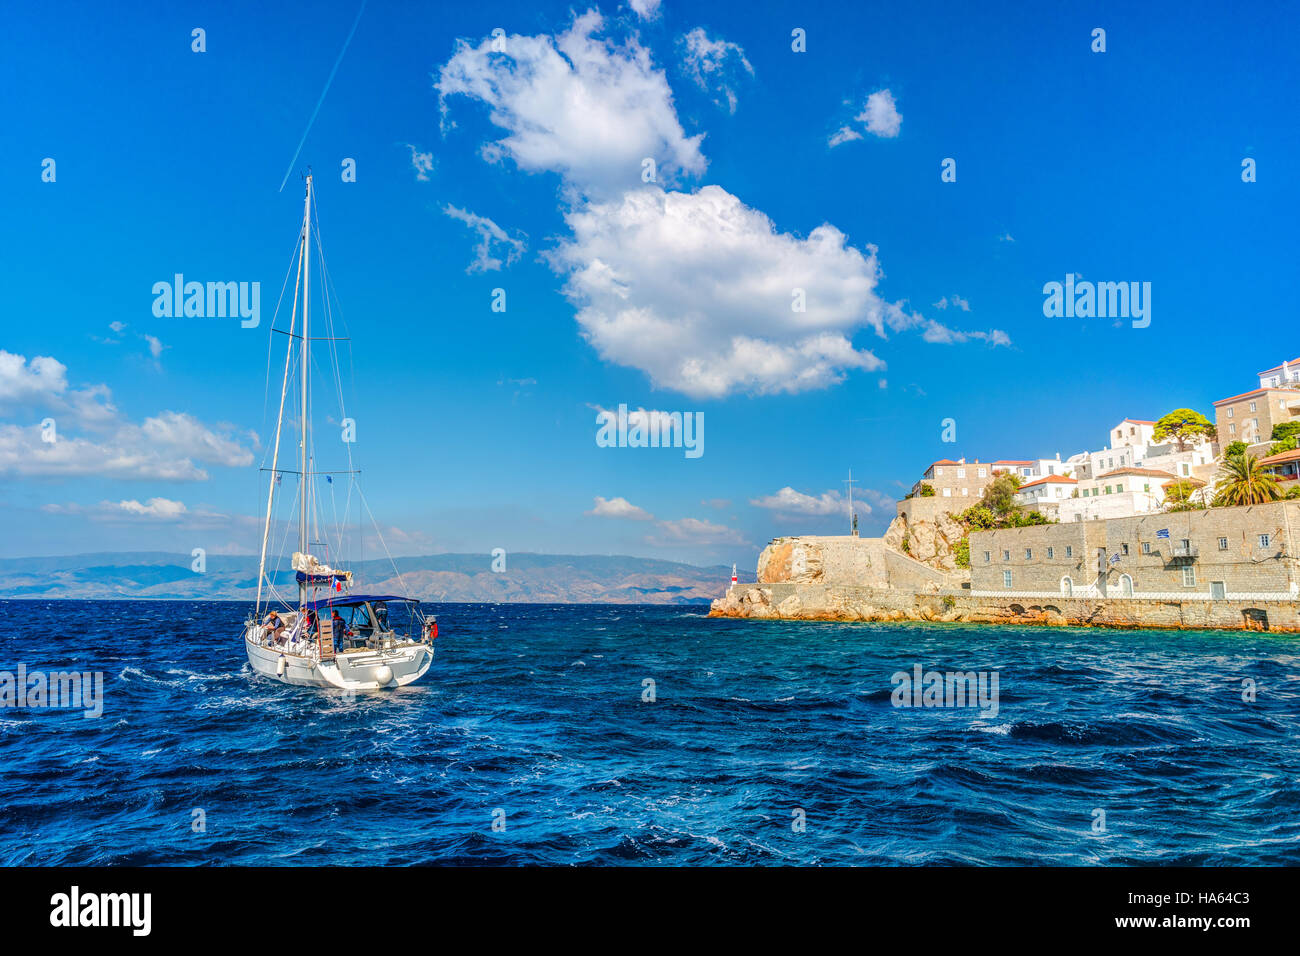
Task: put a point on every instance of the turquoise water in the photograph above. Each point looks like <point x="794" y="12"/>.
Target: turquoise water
<point x="533" y="717"/>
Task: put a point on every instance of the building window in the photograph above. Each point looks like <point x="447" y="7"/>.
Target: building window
<point x="988" y="556"/>
<point x="1231" y="412"/>
<point x="1125" y="585"/>
<point x="1253" y="408"/>
<point x="1124" y="549"/>
<point x="1264" y="540"/>
<point x="1006" y="579"/>
<point x="1006" y="555"/>
<point x="1186" y="543"/>
<point x="1146" y="489"/>
<point x="1189" y="576"/>
<point x="965" y="492"/>
<point x="984" y="473"/>
<point x="1051" y="552"/>
<point x="938" y="472"/>
<point x="1029" y="554"/>
<point x="1108" y="489"/>
<point x="1223" y="544"/>
<point x="1232" y="428"/>
<point x="1067" y="586"/>
<point x="947" y="492"/>
<point x="1119" y="489"/>
<point x="1069" y="550"/>
<point x="1146" y="547"/>
<point x="961" y="472"/>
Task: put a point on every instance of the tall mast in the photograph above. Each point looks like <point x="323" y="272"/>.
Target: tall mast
<point x="305" y="478"/>
<point x="279" y="428"/>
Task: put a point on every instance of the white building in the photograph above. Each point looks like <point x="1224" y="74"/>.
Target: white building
<point x="1287" y="372"/>
<point x="1044" y="494"/>
<point x="1120" y="493"/>
<point x="1132" y="433"/>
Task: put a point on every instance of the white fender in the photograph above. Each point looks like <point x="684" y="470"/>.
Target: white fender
<point x="384" y="675"/>
<point x="279" y="667"/>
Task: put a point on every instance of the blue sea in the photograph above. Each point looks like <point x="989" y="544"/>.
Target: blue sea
<point x="533" y="740"/>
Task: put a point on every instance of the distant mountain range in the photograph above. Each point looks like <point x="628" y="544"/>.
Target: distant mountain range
<point x="528" y="578"/>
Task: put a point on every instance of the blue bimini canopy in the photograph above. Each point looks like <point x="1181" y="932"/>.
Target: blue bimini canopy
<point x="352" y="600"/>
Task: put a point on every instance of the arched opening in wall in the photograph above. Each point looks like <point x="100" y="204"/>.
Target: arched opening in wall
<point x="1067" y="586"/>
<point x="1017" y="609"/>
<point x="1125" y="585"/>
<point x="1255" y="619"/>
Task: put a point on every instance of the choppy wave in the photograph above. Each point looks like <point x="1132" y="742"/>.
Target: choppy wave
<point x="533" y="740"/>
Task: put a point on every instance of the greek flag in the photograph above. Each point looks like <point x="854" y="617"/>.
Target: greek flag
<point x="1114" y="558"/>
<point x="1162" y="533"/>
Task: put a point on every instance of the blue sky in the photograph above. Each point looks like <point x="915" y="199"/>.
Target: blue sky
<point x="476" y="429"/>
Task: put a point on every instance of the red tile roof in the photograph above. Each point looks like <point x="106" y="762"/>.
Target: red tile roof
<point x="1278" y="368"/>
<point x="1139" y="421"/>
<point x="1050" y="479"/>
<point x="1258" y="391"/>
<point x="1281" y="457"/>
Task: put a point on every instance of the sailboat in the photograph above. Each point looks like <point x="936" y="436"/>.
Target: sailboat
<point x="326" y="635"/>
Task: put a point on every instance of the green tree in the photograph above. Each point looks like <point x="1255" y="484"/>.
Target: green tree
<point x="1294" y="492"/>
<point x="1235" y="449"/>
<point x="961" y="553"/>
<point x="1243" y="482"/>
<point x="1000" y="495"/>
<point x="1178" y="496"/>
<point x="927" y="491"/>
<point x="1182" y="425"/>
<point x="1284" y="430"/>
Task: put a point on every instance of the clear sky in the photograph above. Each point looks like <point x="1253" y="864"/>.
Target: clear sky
<point x="520" y="166"/>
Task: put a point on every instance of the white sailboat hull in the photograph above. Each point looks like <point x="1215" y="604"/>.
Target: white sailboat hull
<point x="350" y="670"/>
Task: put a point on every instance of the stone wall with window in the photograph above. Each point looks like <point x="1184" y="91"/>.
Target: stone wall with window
<point x="1211" y="554"/>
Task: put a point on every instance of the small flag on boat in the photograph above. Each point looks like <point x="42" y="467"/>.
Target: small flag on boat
<point x="1162" y="533"/>
<point x="338" y="585"/>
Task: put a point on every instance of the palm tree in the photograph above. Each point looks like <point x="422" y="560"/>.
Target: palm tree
<point x="1243" y="482"/>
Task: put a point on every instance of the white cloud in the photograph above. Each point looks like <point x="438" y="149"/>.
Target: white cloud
<point x="696" y="290"/>
<point x="490" y="235"/>
<point x="879" y="116"/>
<point x="957" y="302"/>
<point x="646" y="9"/>
<point x="715" y="66"/>
<point x="576" y="105"/>
<point x="422" y="163"/>
<point x="21" y="380"/>
<point x="1006" y="237"/>
<point x="117" y="327"/>
<point x="163" y="508"/>
<point x="155" y="346"/>
<point x="845" y="134"/>
<point x="164" y="446"/>
<point x="789" y="501"/>
<point x="619" y="508"/>
<point x="693" y="531"/>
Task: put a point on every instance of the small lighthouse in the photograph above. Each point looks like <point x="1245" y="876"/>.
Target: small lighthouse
<point x="733" y="575"/>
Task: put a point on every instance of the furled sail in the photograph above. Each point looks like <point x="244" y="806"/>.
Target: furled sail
<point x="312" y="572"/>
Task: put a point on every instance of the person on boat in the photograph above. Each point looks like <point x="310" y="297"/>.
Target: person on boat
<point x="273" y="625"/>
<point x="341" y="631"/>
